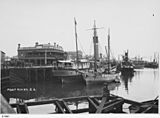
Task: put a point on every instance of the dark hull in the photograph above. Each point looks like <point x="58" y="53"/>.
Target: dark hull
<point x="139" y="67"/>
<point x="70" y="79"/>
<point x="125" y="71"/>
<point x="151" y="65"/>
<point x="68" y="76"/>
<point x="41" y="75"/>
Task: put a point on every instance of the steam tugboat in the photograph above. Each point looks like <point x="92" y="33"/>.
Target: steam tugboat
<point x="126" y="66"/>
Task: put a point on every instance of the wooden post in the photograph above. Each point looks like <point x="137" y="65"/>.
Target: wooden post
<point x="65" y="107"/>
<point x="106" y="92"/>
<point x="59" y="108"/>
<point x="100" y="108"/>
<point x="105" y="98"/>
<point x="112" y="106"/>
<point x="95" y="101"/>
<point x="76" y="103"/>
<point x="92" y="106"/>
<point x="119" y="108"/>
<point x="22" y="108"/>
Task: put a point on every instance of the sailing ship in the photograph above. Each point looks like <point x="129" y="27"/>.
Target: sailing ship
<point x="97" y="76"/>
<point x="70" y="69"/>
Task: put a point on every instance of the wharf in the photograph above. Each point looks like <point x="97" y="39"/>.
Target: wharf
<point x="107" y="103"/>
<point x="38" y="74"/>
<point x="32" y="74"/>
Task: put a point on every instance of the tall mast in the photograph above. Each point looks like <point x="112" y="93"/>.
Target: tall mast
<point x="108" y="51"/>
<point x="154" y="60"/>
<point x="95" y="42"/>
<point x="76" y="43"/>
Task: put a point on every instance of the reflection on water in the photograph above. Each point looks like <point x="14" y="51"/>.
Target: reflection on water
<point x="45" y="91"/>
<point x="143" y="85"/>
<point x="126" y="79"/>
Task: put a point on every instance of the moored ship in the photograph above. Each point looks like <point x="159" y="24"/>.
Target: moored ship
<point x="49" y="60"/>
<point x="97" y="76"/>
<point x="138" y="63"/>
<point x="126" y="66"/>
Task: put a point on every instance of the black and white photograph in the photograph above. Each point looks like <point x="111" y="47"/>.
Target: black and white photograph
<point x="81" y="58"/>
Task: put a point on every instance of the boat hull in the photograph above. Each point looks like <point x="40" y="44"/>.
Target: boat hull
<point x="68" y="76"/>
<point x="125" y="71"/>
<point x="70" y="79"/>
<point x="101" y="79"/>
<point x="139" y="67"/>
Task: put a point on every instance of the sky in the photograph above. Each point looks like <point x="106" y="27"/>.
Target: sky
<point x="134" y="25"/>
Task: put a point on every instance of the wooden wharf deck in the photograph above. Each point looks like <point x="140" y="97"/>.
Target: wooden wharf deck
<point x="107" y="103"/>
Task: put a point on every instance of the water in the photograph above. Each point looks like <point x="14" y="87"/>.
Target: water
<point x="142" y="86"/>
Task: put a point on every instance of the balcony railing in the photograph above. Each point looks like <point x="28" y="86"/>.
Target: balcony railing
<point x="35" y="48"/>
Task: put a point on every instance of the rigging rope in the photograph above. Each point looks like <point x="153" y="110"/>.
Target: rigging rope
<point x="81" y="47"/>
<point x="90" y="50"/>
<point x="100" y="48"/>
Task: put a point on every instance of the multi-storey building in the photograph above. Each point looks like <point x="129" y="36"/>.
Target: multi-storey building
<point x="2" y="57"/>
<point x="41" y="54"/>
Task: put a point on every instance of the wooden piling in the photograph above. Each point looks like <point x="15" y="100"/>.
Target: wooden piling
<point x="59" y="108"/>
<point x="65" y="106"/>
<point x="105" y="97"/>
<point x="92" y="106"/>
<point x="95" y="101"/>
<point x="22" y="108"/>
<point x="112" y="106"/>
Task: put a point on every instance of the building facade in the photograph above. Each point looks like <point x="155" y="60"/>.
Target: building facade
<point x="41" y="54"/>
<point x="2" y="57"/>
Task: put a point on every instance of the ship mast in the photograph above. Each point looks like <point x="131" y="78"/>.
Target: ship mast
<point x="76" y="43"/>
<point x="95" y="42"/>
<point x="108" y="51"/>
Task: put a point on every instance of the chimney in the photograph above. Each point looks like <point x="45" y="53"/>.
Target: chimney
<point x="19" y="45"/>
<point x="36" y="44"/>
<point x="54" y="44"/>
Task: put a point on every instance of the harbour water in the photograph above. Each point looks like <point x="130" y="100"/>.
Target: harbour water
<point x="142" y="86"/>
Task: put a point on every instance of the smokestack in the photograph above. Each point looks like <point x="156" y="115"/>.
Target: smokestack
<point x="36" y="44"/>
<point x="19" y="45"/>
<point x="95" y="42"/>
